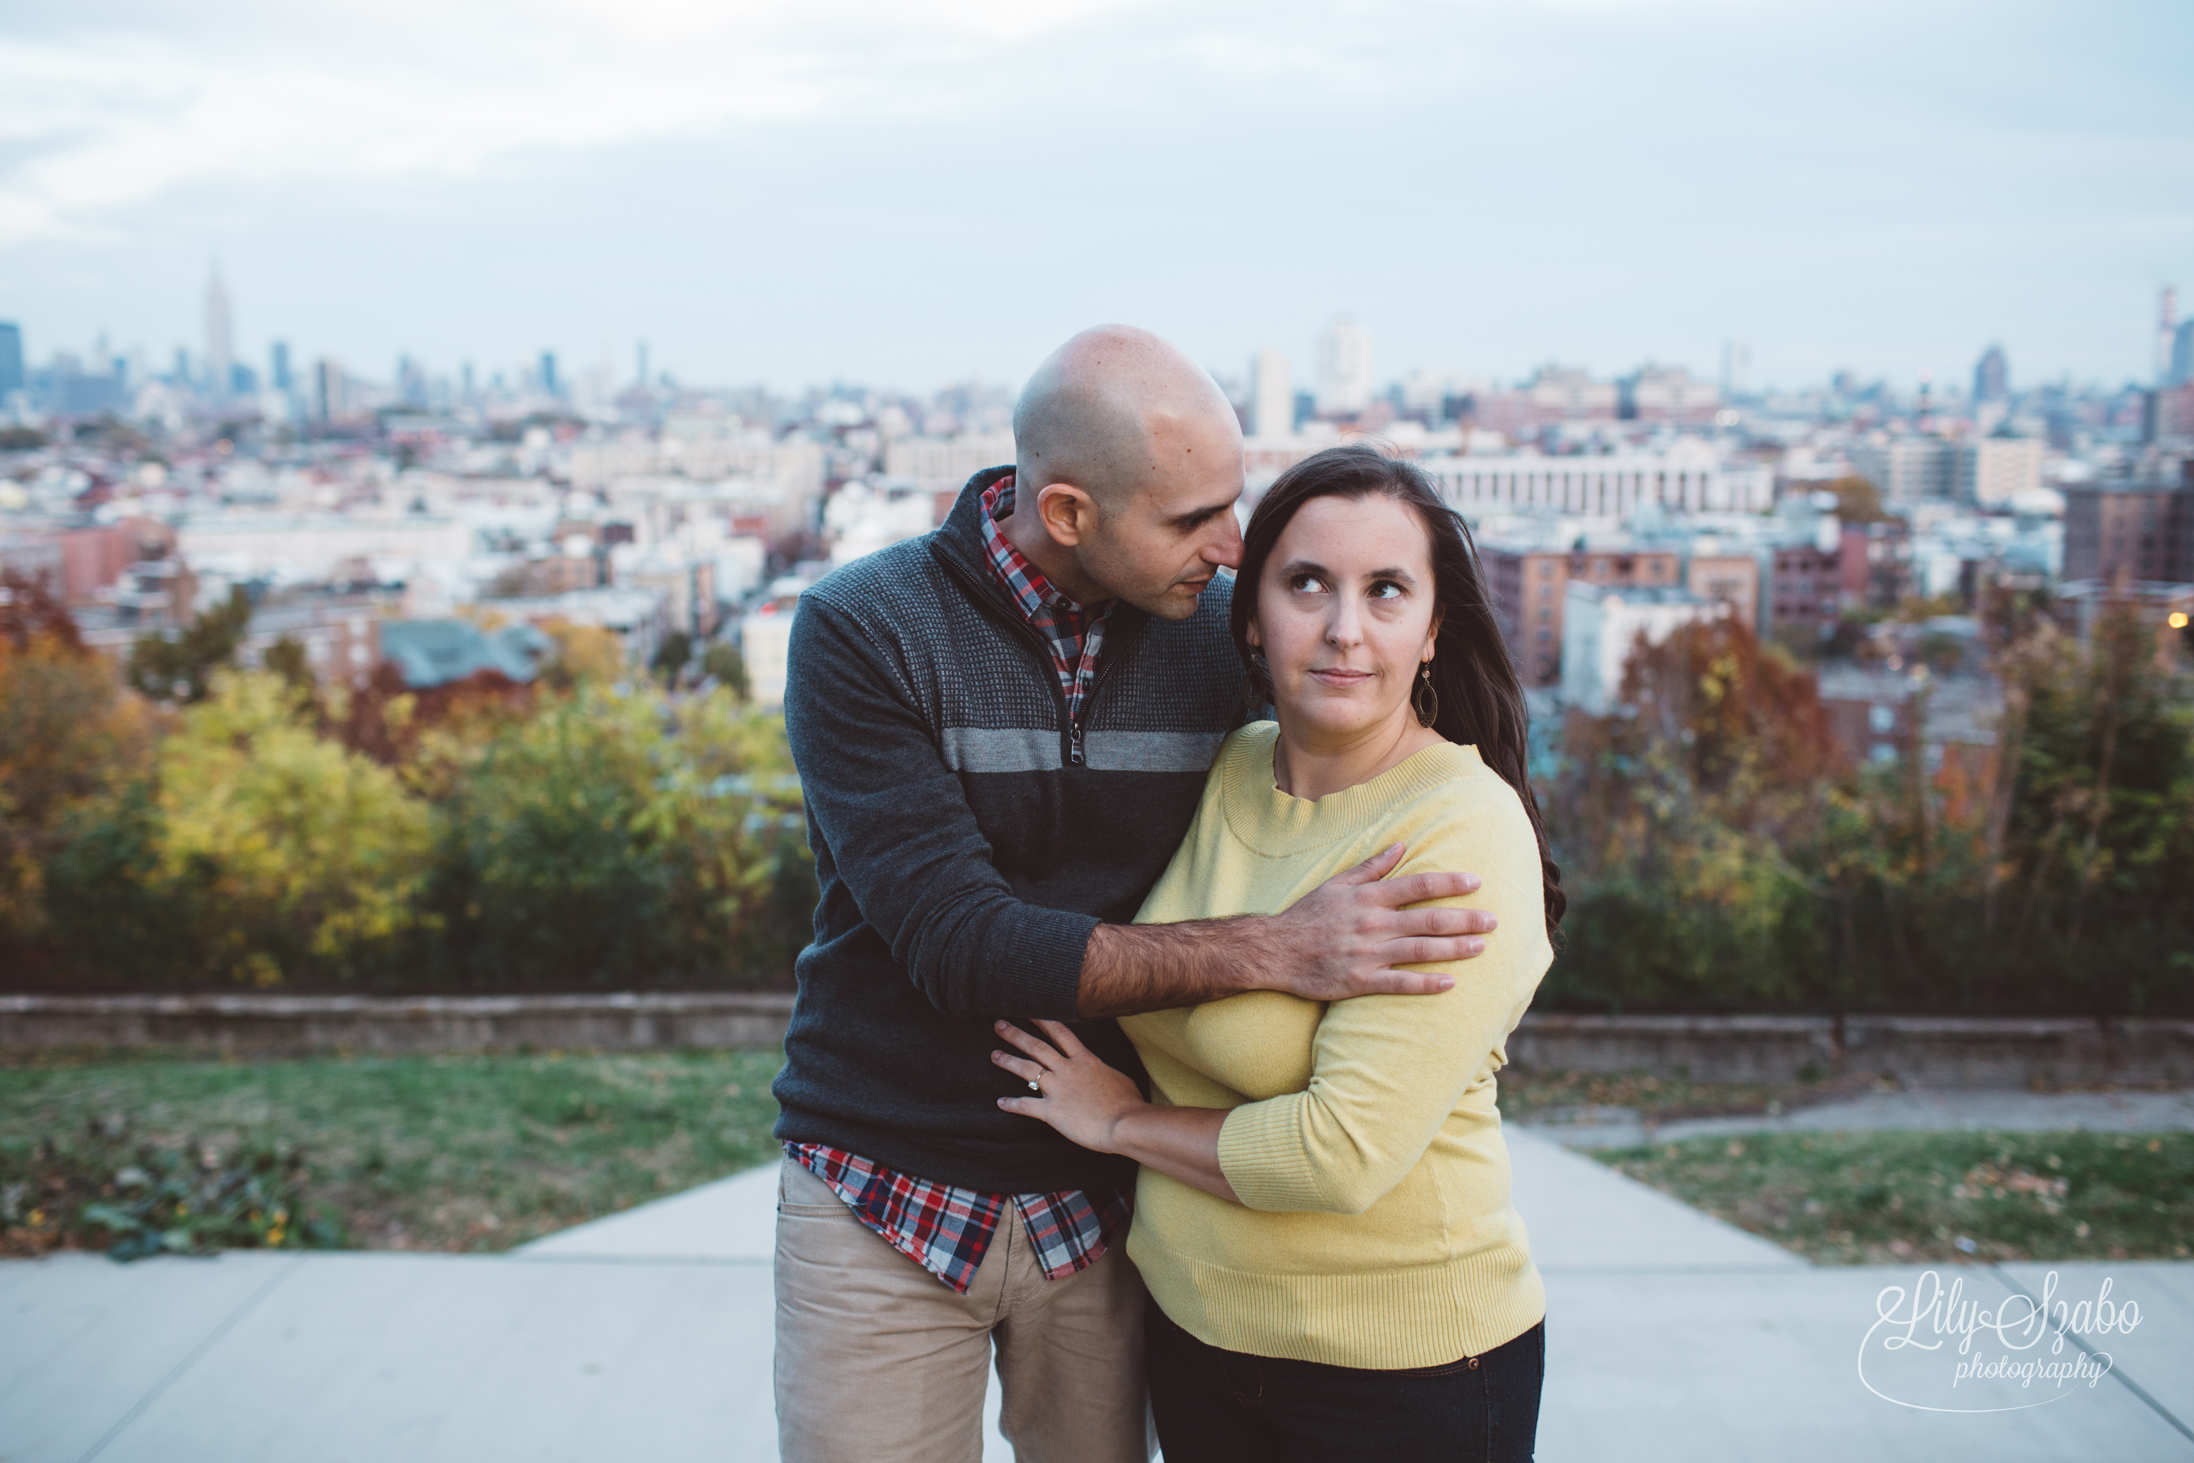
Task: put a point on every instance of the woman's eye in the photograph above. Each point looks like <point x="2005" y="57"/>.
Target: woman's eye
<point x="1304" y="583"/>
<point x="1386" y="589"/>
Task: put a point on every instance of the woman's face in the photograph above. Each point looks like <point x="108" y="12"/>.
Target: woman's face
<point x="1345" y="615"/>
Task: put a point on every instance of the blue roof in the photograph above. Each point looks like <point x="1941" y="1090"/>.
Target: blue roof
<point x="435" y="652"/>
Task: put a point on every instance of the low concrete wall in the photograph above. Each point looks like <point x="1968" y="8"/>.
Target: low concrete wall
<point x="1713" y="1048"/>
<point x="1920" y="1051"/>
<point x="269" y="1025"/>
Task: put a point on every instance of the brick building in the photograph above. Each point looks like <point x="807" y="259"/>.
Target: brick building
<point x="1529" y="586"/>
<point x="2143" y="530"/>
<point x="1805" y="588"/>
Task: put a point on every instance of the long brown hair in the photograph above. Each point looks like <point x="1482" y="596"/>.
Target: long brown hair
<point x="1481" y="699"/>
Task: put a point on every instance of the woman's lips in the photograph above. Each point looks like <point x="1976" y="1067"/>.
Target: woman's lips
<point x="1343" y="680"/>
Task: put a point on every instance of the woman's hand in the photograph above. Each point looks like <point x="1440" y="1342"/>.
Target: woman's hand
<point x="1073" y="1090"/>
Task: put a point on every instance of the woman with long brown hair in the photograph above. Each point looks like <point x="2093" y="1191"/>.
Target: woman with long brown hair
<point x="1323" y="1215"/>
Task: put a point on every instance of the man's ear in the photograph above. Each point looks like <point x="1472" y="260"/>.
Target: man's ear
<point x="1069" y="514"/>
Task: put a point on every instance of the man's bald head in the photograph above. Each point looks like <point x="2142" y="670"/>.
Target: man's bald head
<point x="1114" y="410"/>
<point x="1129" y="462"/>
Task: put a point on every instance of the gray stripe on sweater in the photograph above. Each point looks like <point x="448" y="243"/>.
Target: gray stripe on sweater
<point x="999" y="749"/>
<point x="1035" y="749"/>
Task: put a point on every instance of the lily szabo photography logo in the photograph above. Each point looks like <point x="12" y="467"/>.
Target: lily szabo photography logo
<point x="1940" y="1350"/>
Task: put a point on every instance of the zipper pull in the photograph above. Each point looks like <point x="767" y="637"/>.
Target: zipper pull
<point x="1074" y="730"/>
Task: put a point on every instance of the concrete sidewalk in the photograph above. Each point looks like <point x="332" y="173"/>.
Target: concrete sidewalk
<point x="647" y="1335"/>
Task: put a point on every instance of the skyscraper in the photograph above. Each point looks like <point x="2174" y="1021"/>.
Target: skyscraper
<point x="220" y="339"/>
<point x="1736" y="368"/>
<point x="548" y="373"/>
<point x="1271" y="403"/>
<point x="1344" y="368"/>
<point x="11" y="358"/>
<point x="2182" y="354"/>
<point x="328" y="404"/>
<point x="1992" y="376"/>
<point x="278" y="366"/>
<point x="2167" y="329"/>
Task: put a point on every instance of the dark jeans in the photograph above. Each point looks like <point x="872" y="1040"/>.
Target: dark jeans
<point x="1218" y="1406"/>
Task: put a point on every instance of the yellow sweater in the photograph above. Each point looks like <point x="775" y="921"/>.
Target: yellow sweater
<point x="1364" y="1140"/>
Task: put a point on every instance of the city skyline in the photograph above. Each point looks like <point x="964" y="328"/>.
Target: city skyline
<point x="940" y="191"/>
<point x="1337" y="377"/>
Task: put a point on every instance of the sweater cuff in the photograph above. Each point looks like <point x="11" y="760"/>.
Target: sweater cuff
<point x="1047" y="962"/>
<point x="1264" y="1156"/>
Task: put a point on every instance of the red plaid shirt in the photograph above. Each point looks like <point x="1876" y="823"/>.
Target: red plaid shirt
<point x="1076" y="635"/>
<point x="947" y="1230"/>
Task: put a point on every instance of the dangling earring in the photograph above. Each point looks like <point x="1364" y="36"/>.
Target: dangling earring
<point x="1260" y="676"/>
<point x="1424" y="698"/>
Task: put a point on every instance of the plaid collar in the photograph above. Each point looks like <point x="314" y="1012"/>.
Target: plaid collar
<point x="1035" y="594"/>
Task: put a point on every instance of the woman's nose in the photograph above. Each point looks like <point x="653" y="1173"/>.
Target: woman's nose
<point x="1343" y="626"/>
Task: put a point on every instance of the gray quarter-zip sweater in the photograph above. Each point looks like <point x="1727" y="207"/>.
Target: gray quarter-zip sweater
<point x="968" y="839"/>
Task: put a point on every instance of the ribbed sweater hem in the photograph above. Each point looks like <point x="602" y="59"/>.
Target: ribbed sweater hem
<point x="1383" y="1320"/>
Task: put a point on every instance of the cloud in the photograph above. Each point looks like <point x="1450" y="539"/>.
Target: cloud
<point x="130" y="106"/>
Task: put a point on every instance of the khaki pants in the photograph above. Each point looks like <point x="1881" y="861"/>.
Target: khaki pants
<point x="879" y="1361"/>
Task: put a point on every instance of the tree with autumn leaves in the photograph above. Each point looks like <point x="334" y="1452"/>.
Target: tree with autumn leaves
<point x="1723" y="855"/>
<point x="259" y="830"/>
<point x="598" y="828"/>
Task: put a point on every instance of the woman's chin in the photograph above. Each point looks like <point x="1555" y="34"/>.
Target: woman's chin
<point x="1334" y="718"/>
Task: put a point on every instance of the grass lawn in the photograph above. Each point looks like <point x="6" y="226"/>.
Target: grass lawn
<point x="452" y="1152"/>
<point x="440" y="1152"/>
<point x="1892" y="1197"/>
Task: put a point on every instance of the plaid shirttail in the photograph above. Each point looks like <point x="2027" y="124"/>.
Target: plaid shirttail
<point x="943" y="1229"/>
<point x="947" y="1230"/>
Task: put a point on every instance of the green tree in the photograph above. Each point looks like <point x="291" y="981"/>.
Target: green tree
<point x="287" y="658"/>
<point x="182" y="668"/>
<point x="292" y="855"/>
<point x="613" y="840"/>
<point x="2096" y="814"/>
<point x="68" y="732"/>
<point x="723" y="663"/>
<point x="672" y="657"/>
<point x="584" y="653"/>
<point x="1858" y="500"/>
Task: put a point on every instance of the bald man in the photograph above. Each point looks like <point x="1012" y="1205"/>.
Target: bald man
<point x="1002" y="731"/>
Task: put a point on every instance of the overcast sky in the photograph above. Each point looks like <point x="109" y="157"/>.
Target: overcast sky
<point x="908" y="192"/>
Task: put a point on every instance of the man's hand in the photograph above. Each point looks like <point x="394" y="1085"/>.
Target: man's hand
<point x="1342" y="939"/>
<point x="1345" y="937"/>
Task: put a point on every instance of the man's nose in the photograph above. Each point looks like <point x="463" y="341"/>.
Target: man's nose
<point x="1226" y="549"/>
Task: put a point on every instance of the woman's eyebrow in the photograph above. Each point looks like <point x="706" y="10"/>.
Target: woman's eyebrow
<point x="1306" y="566"/>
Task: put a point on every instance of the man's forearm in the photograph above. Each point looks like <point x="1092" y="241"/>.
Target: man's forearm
<point x="1129" y="969"/>
<point x="1345" y="938"/>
